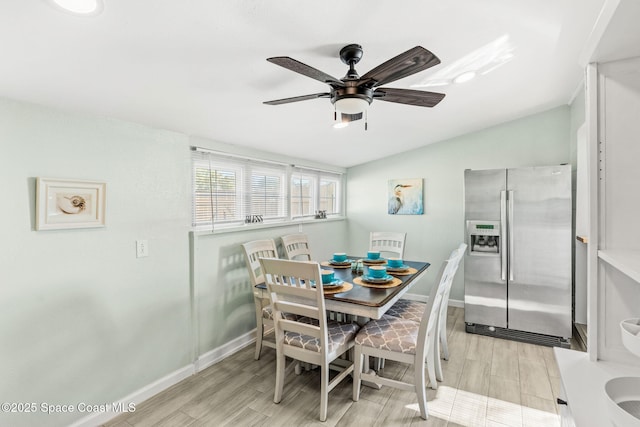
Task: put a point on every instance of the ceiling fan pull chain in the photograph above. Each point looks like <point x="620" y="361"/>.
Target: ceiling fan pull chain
<point x="365" y="119"/>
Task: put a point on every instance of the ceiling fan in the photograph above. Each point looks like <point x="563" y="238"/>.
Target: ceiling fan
<point x="352" y="94"/>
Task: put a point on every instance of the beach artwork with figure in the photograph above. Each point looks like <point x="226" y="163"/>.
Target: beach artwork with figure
<point x="405" y="197"/>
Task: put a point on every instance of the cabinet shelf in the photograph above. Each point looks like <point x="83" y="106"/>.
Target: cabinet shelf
<point x="626" y="261"/>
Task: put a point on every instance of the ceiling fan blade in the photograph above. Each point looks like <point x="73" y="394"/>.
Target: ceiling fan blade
<point x="407" y="63"/>
<point x="297" y="98"/>
<point x="305" y="70"/>
<point x="418" y="98"/>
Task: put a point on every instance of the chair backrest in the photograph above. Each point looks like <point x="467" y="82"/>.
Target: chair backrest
<point x="296" y="287"/>
<point x="388" y="242"/>
<point x="455" y="258"/>
<point x="296" y="246"/>
<point x="253" y="251"/>
<point x="427" y="333"/>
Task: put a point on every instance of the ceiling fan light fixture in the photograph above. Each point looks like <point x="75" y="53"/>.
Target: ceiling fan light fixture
<point x="352" y="105"/>
<point x="79" y="7"/>
<point x="340" y="125"/>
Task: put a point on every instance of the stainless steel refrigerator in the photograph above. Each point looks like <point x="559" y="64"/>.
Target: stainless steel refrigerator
<point x="517" y="268"/>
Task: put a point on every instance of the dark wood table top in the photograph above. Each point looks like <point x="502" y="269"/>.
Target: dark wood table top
<point x="374" y="297"/>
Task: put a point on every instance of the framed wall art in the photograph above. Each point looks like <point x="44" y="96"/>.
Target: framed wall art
<point x="62" y="204"/>
<point x="405" y="197"/>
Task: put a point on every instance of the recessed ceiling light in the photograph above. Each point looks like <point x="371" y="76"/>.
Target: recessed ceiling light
<point x="79" y="7"/>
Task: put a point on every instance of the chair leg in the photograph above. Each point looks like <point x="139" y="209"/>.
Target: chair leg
<point x="280" y="370"/>
<point x="432" y="360"/>
<point x="443" y="336"/>
<point x="357" y="372"/>
<point x="324" y="392"/>
<point x="259" y="329"/>
<point x="437" y="363"/>
<point x="420" y="389"/>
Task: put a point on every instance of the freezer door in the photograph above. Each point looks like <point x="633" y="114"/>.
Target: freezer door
<point x="485" y="299"/>
<point x="539" y="273"/>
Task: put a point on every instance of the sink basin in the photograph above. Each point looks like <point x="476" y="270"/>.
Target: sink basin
<point x="630" y="330"/>
<point x="623" y="401"/>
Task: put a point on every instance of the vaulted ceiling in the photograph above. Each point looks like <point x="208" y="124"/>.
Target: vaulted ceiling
<point x="199" y="66"/>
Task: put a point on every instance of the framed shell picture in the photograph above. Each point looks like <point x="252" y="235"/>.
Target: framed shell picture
<point x="62" y="204"/>
<point x="405" y="197"/>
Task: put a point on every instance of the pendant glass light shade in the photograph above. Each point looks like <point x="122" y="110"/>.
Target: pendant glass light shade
<point x="351" y="105"/>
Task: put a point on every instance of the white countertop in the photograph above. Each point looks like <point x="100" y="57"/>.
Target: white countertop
<point x="583" y="382"/>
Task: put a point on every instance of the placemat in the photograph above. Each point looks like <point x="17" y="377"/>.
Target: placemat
<point x="328" y="264"/>
<point x="393" y="283"/>
<point x="408" y="272"/>
<point x="374" y="261"/>
<point x="345" y="287"/>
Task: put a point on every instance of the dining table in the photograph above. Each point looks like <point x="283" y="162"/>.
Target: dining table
<point x="371" y="302"/>
<point x="365" y="301"/>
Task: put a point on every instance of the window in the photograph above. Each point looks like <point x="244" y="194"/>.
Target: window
<point x="234" y="191"/>
<point x="313" y="191"/>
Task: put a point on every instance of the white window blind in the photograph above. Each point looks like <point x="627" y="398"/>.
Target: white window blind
<point x="313" y="191"/>
<point x="230" y="191"/>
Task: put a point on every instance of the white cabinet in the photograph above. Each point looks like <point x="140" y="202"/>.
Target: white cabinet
<point x="616" y="250"/>
<point x="612" y="61"/>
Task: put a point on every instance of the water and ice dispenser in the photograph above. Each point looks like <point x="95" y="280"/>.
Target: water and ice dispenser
<point x="484" y="237"/>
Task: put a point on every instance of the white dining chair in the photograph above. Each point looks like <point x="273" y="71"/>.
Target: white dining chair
<point x="264" y="316"/>
<point x="413" y="310"/>
<point x="296" y="247"/>
<point x="405" y="341"/>
<point x="296" y="287"/>
<point x="387" y="243"/>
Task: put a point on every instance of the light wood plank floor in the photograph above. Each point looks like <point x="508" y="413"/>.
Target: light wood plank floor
<point x="488" y="382"/>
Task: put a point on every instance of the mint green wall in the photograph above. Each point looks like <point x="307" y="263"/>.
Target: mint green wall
<point x="540" y="139"/>
<point x="81" y="319"/>
<point x="578" y="117"/>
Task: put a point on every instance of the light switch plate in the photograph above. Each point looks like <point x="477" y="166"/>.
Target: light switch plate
<point x="142" y="248"/>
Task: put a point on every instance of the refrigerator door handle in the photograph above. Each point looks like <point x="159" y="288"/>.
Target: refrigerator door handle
<point x="510" y="226"/>
<point x="503" y="232"/>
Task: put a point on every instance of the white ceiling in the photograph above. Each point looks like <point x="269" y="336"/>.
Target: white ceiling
<point x="198" y="66"/>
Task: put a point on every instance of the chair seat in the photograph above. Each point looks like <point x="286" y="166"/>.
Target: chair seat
<point x="407" y="309"/>
<point x="267" y="313"/>
<point x="338" y="333"/>
<point x="390" y="333"/>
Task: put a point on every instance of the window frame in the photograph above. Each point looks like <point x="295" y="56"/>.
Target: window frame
<point x="246" y="168"/>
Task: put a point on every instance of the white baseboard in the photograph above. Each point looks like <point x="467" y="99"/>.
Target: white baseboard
<point x="139" y="396"/>
<point x="136" y="397"/>
<point x="217" y="354"/>
<point x="424" y="298"/>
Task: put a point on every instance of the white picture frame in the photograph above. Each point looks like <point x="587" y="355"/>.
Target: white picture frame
<point x="65" y="204"/>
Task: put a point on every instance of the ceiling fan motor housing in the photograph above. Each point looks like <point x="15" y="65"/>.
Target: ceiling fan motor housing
<point x="351" y="91"/>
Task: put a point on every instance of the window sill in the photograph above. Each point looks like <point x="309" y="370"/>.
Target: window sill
<point x="262" y="226"/>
